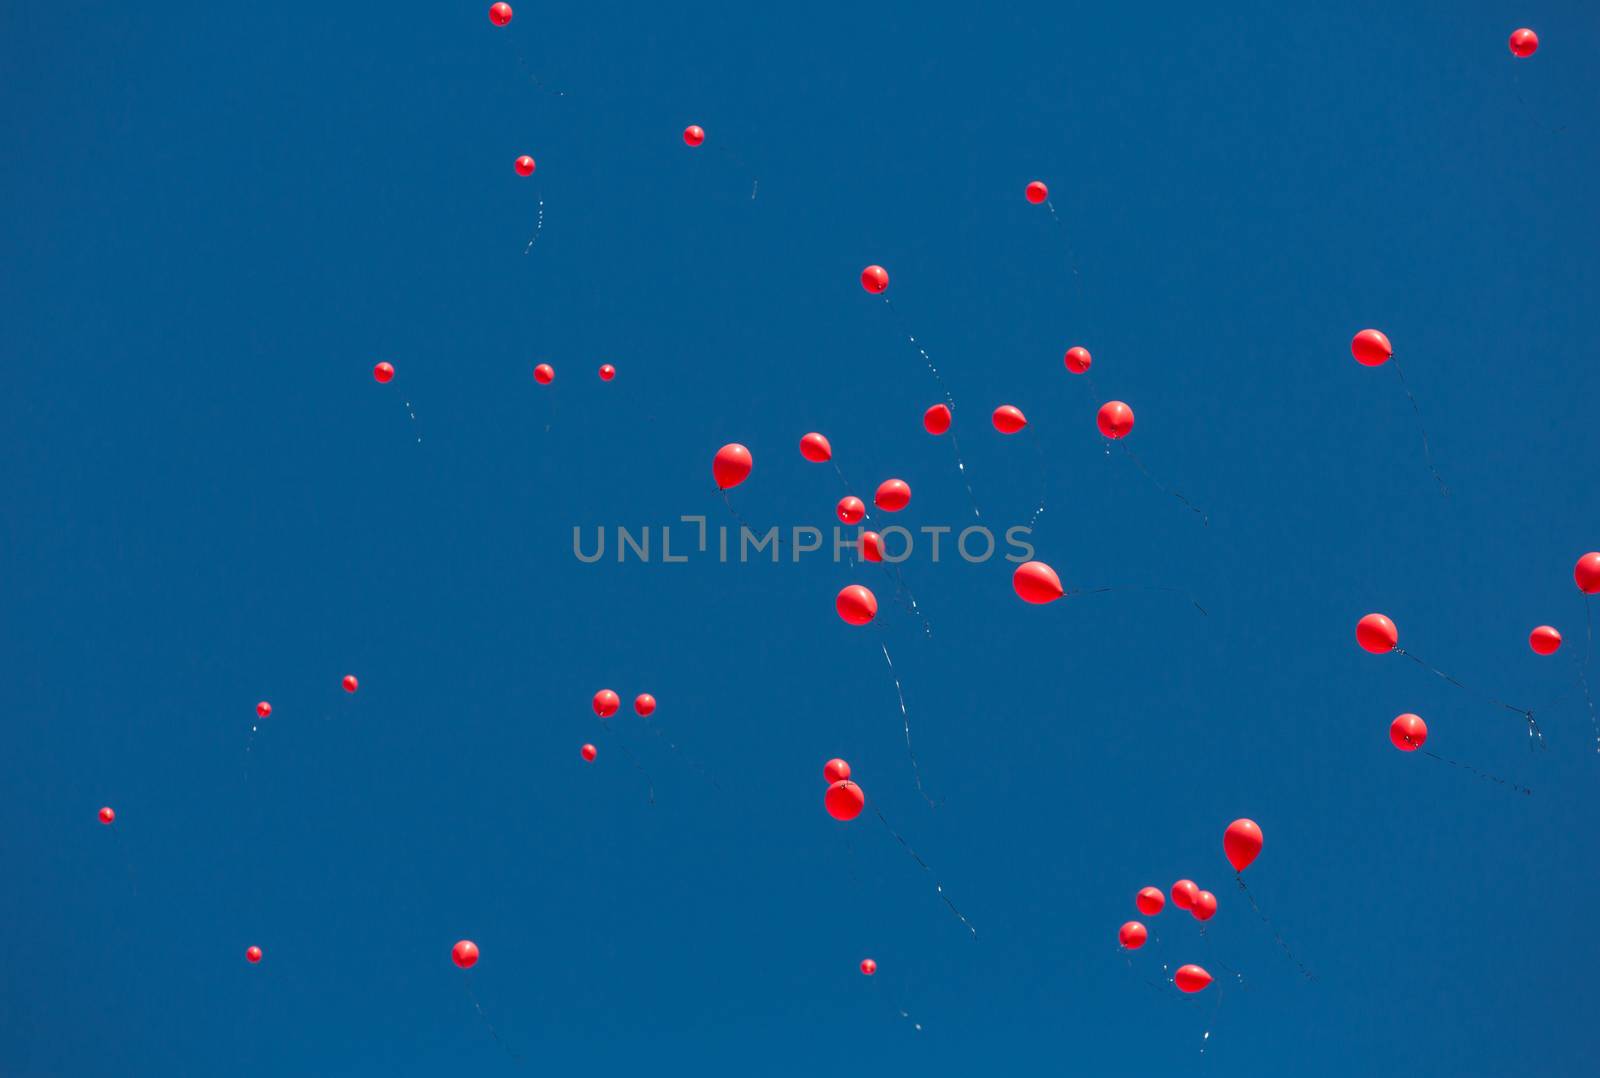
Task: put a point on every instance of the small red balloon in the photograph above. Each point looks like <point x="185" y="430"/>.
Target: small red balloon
<point x="694" y="135"/>
<point x="844" y="800"/>
<point x="607" y="372"/>
<point x="107" y="815"/>
<point x="875" y="279"/>
<point x="588" y="752"/>
<point x="815" y="448"/>
<point x="1242" y="843"/>
<point x="544" y="374"/>
<point x="731" y="466"/>
<point x="936" y="420"/>
<point x="1545" y="640"/>
<point x="1115" y="419"/>
<point x="644" y="704"/>
<point x="524" y="165"/>
<point x="252" y="954"/>
<point x="1150" y="900"/>
<point x="606" y="703"/>
<point x="1184" y="892"/>
<point x="499" y="14"/>
<point x="1008" y="419"/>
<point x="1036" y="582"/>
<point x="1587" y="573"/>
<point x="1036" y="192"/>
<point x="263" y="709"/>
<point x="1132" y="935"/>
<point x="350" y="683"/>
<point x="893" y="495"/>
<point x="1371" y="348"/>
<point x="835" y="770"/>
<point x="851" y="509"/>
<point x="871" y="546"/>
<point x="868" y="966"/>
<point x="1077" y="360"/>
<point x="1205" y="906"/>
<point x="1408" y="732"/>
<point x="856" y="604"/>
<point x="464" y="954"/>
<point x="1191" y="978"/>
<point x="384" y="373"/>
<point x="1524" y="43"/>
<point x="1377" y="634"/>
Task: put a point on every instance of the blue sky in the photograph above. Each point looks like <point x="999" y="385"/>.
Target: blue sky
<point x="224" y="215"/>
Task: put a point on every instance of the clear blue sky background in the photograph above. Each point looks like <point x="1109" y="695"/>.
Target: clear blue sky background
<point x="220" y="216"/>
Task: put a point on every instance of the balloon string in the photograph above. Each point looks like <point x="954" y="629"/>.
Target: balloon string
<point x="1205" y="520"/>
<point x="904" y="596"/>
<point x="473" y="996"/>
<point x="631" y="757"/>
<point x="905" y="716"/>
<point x="937" y="886"/>
<point x="1475" y="771"/>
<point x="1274" y="928"/>
<point x="923" y="352"/>
<point x="1138" y="587"/>
<point x="691" y="761"/>
<point x="1072" y="257"/>
<point x="537" y="228"/>
<point x="1533" y="726"/>
<point x="961" y="466"/>
<point x="777" y="541"/>
<point x="412" y="412"/>
<point x="1205" y="1038"/>
<point x="1427" y="452"/>
<point x="1583" y="668"/>
<point x="1044" y="473"/>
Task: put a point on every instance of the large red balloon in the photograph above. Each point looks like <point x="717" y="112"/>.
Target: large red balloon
<point x="252" y="954"/>
<point x="1036" y="582"/>
<point x="1524" y="43"/>
<point x="1150" y="900"/>
<point x="544" y="374"/>
<point x="524" y="165"/>
<point x="868" y="966"/>
<point x="893" y="495"/>
<point x="1036" y="192"/>
<point x="1587" y="573"/>
<point x="1371" y="348"/>
<point x="644" y="704"/>
<point x="464" y="954"/>
<point x="871" y="546"/>
<point x="350" y="683"/>
<point x="815" y="448"/>
<point x="875" y="279"/>
<point x="606" y="703"/>
<point x="1545" y="640"/>
<point x="1077" y="360"/>
<point x="1205" y="906"/>
<point x="1008" y="419"/>
<point x="936" y="420"/>
<point x="1115" y="419"/>
<point x="499" y="14"/>
<point x="1184" y="892"/>
<point x="1191" y="978"/>
<point x="384" y="373"/>
<point x="856" y="604"/>
<point x="1242" y="843"/>
<point x="107" y="814"/>
<point x="1132" y="935"/>
<point x="588" y="752"/>
<point x="732" y="465"/>
<point x="835" y="770"/>
<point x="263" y="709"/>
<point x="1377" y="634"/>
<point x="844" y="800"/>
<point x="850" y="509"/>
<point x="694" y="134"/>
<point x="1408" y="732"/>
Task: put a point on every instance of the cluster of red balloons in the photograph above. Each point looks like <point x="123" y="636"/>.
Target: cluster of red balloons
<point x="843" y="798"/>
<point x="606" y="703"/>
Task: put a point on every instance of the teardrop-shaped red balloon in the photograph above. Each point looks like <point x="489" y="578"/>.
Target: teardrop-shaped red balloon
<point x="588" y="752"/>
<point x="1408" y="732"/>
<point x="1205" y="906"/>
<point x="1132" y="935"/>
<point x="871" y="546"/>
<point x="1036" y="582"/>
<point x="1377" y="634"/>
<point x="731" y="466"/>
<point x="856" y="604"/>
<point x="1587" y="573"/>
<point x="1008" y="419"/>
<point x="1184" y="892"/>
<point x="893" y="495"/>
<point x="815" y="448"/>
<point x="850" y="509"/>
<point x="1545" y="640"/>
<point x="1191" y="978"/>
<point x="1371" y="348"/>
<point x="844" y="800"/>
<point x="875" y="279"/>
<point x="936" y="420"/>
<point x="1150" y="901"/>
<point x="1242" y="843"/>
<point x="1115" y="419"/>
<point x="1077" y="360"/>
<point x="606" y="703"/>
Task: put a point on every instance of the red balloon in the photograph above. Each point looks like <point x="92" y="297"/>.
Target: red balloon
<point x="856" y="605"/>
<point x="384" y="373"/>
<point x="868" y="966"/>
<point x="464" y="954"/>
<point x="1205" y="906"/>
<point x="1377" y="634"/>
<point x="844" y="800"/>
<point x="875" y="279"/>
<point x="1545" y="640"/>
<point x="1184" y="892"/>
<point x="607" y="372"/>
<point x="871" y="547"/>
<point x="1008" y="419"/>
<point x="107" y="815"/>
<point x="1036" y="582"/>
<point x="732" y="465"/>
<point x="1150" y="900"/>
<point x="1132" y="935"/>
<point x="851" y="509"/>
<point x="588" y="752"/>
<point x="350" y="683"/>
<point x="815" y="448"/>
<point x="544" y="374"/>
<point x="1587" y="573"/>
<point x="1524" y="43"/>
<point x="1191" y="978"/>
<point x="1242" y="843"/>
<point x="606" y="703"/>
<point x="252" y="954"/>
<point x="263" y="709"/>
<point x="524" y="165"/>
<point x="835" y="770"/>
<point x="1115" y="419"/>
<point x="1408" y="732"/>
<point x="694" y="134"/>
<point x="499" y="14"/>
<point x="936" y="420"/>
<point x="1077" y="360"/>
<point x="644" y="704"/>
<point x="1036" y="192"/>
<point x="1371" y="348"/>
<point x="893" y="495"/>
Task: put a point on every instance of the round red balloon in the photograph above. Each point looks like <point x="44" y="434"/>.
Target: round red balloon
<point x="607" y="372"/>
<point x="1408" y="732"/>
<point x="1132" y="935"/>
<point x="384" y="373"/>
<point x="1150" y="900"/>
<point x="644" y="704"/>
<point x="252" y="954"/>
<point x="1036" y="582"/>
<point x="1205" y="906"/>
<point x="1036" y="192"/>
<point x="732" y="465"/>
<point x="1242" y="843"/>
<point x="464" y="954"/>
<point x="588" y="752"/>
<point x="851" y="509"/>
<point x="844" y="800"/>
<point x="1545" y="640"/>
<point x="524" y="165"/>
<point x="1184" y="892"/>
<point x="350" y="683"/>
<point x="936" y="420"/>
<point x="1524" y="43"/>
<point x="263" y="709"/>
<point x="1191" y="978"/>
<point x="1371" y="348"/>
<point x="1587" y="573"/>
<point x="1008" y="419"/>
<point x="835" y="770"/>
<point x="499" y="14"/>
<point x="1377" y="634"/>
<point x="606" y="703"/>
<point x="868" y="966"/>
<point x="1115" y="419"/>
<point x="875" y="279"/>
<point x="1077" y="360"/>
<point x="815" y="448"/>
<point x="871" y="546"/>
<point x="544" y="374"/>
<point x="893" y="495"/>
<point x="107" y="815"/>
<point x="856" y="604"/>
<point x="694" y="134"/>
